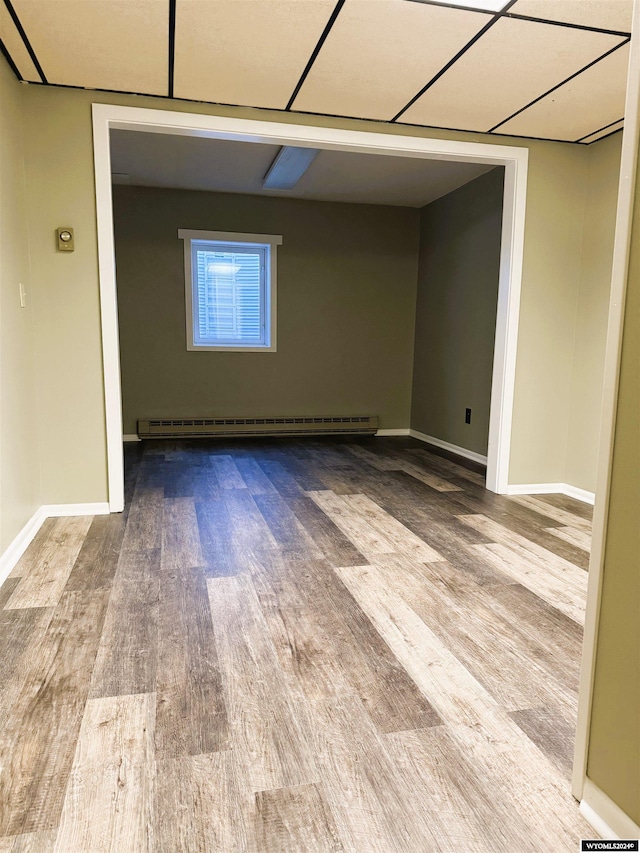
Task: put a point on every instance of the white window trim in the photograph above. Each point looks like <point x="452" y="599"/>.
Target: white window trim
<point x="271" y="240"/>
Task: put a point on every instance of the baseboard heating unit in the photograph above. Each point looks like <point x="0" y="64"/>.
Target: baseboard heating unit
<point x="236" y="427"/>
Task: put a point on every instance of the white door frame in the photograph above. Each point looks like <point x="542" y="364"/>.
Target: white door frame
<point x="107" y="117"/>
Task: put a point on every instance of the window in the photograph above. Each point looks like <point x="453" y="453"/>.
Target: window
<point x="230" y="289"/>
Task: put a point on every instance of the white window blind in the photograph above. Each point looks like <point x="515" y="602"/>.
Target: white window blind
<point x="230" y="294"/>
<point x="230" y="290"/>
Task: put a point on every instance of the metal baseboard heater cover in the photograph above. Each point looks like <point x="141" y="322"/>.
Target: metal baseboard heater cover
<point x="235" y="427"/>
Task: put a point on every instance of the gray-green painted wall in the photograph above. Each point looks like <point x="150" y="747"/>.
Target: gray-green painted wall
<point x="20" y="494"/>
<point x="346" y="301"/>
<point x="614" y="738"/>
<point x="456" y="312"/>
<point x="66" y="304"/>
<point x="590" y="336"/>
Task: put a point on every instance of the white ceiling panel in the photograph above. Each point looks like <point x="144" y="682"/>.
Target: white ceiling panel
<point x="159" y="160"/>
<point x="248" y="52"/>
<point x="380" y="54"/>
<point x="605" y="14"/>
<point x="581" y="106"/>
<point x="511" y="65"/>
<point x="605" y="131"/>
<point x="100" y="44"/>
<point x="12" y="40"/>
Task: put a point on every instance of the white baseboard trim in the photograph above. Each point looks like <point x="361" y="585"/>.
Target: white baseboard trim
<point x="131" y="437"/>
<point x="535" y="489"/>
<point x="60" y="510"/>
<point x="20" y="544"/>
<point x="25" y="537"/>
<point x="605" y="816"/>
<point x="579" y="494"/>
<point x="552" y="489"/>
<point x="452" y="448"/>
<point x="516" y="489"/>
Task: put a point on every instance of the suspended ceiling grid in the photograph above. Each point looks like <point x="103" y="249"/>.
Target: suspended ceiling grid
<point x="549" y="69"/>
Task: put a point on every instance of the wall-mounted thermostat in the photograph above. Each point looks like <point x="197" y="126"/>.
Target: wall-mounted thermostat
<point x="65" y="239"/>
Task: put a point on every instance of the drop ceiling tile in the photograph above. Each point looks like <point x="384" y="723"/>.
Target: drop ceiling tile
<point x="380" y="54"/>
<point x="12" y="40"/>
<point x="511" y="65"/>
<point x="100" y="44"/>
<point x="605" y="14"/>
<point x="250" y="52"/>
<point x="589" y="101"/>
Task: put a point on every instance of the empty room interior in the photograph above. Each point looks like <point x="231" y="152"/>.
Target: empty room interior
<point x="319" y="471"/>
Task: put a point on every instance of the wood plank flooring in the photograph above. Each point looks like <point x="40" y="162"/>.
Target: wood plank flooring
<point x="318" y="646"/>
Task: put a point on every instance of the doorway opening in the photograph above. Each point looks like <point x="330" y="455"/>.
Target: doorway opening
<point x="109" y="117"/>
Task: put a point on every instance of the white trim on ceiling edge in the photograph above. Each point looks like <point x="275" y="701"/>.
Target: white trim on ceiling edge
<point x="11" y="555"/>
<point x="552" y="489"/>
<point x="605" y="816"/>
<point x="452" y="448"/>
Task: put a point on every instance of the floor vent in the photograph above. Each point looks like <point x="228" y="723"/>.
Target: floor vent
<point x="233" y="427"/>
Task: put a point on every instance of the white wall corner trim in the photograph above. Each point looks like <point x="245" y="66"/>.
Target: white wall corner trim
<point x="552" y="489"/>
<point x="20" y="544"/>
<point x="108" y="315"/>
<point x="605" y="816"/>
<point x="503" y="380"/>
<point x="131" y="436"/>
<point x="452" y="448"/>
<point x="383" y="432"/>
<point x="107" y="117"/>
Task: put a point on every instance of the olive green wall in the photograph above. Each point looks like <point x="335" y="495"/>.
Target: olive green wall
<point x="614" y="743"/>
<point x="550" y="286"/>
<point x="19" y="457"/>
<point x="61" y="191"/>
<point x="592" y="312"/>
<point x="346" y="305"/>
<point x="563" y="319"/>
<point x="456" y="312"/>
<point x="66" y="303"/>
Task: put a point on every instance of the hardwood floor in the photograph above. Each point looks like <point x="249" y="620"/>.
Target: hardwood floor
<point x="295" y="646"/>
